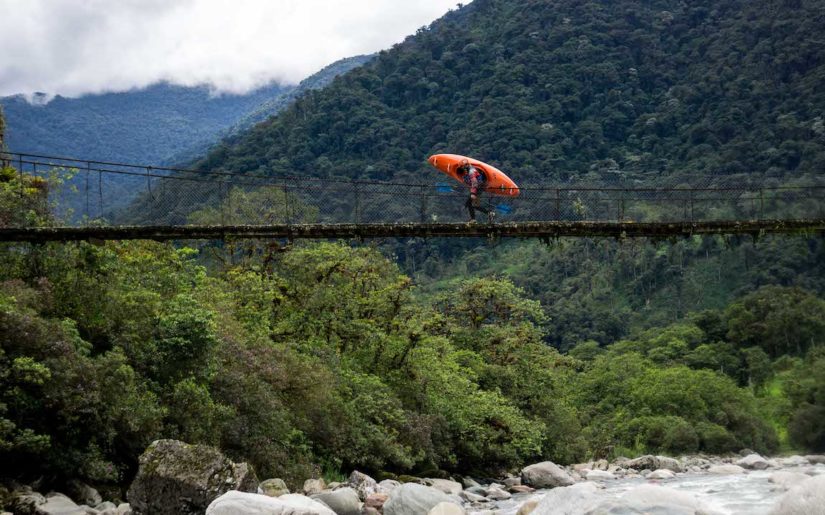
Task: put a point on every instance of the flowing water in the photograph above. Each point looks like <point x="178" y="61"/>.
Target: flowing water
<point x="750" y="493"/>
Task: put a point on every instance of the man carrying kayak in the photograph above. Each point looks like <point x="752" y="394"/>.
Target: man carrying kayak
<point x="474" y="179"/>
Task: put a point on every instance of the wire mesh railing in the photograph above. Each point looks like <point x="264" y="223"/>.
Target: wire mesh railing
<point x="97" y="193"/>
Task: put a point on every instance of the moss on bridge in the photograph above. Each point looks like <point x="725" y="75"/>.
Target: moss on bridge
<point x="551" y="229"/>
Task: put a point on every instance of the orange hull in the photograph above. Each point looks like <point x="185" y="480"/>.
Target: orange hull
<point x="497" y="183"/>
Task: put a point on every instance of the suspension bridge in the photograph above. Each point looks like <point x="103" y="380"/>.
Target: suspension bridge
<point x="65" y="199"/>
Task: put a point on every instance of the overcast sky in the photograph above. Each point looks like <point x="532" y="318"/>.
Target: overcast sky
<point x="72" y="47"/>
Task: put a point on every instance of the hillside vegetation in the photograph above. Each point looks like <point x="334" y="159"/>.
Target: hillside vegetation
<point x="560" y="89"/>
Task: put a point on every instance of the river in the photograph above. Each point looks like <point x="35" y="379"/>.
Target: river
<point x="734" y="494"/>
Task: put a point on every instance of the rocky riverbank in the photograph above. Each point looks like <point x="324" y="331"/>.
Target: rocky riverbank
<point x="178" y="478"/>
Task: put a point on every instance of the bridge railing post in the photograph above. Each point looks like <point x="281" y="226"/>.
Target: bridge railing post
<point x="761" y="203"/>
<point x="357" y="214"/>
<point x="423" y="204"/>
<point x="557" y="210"/>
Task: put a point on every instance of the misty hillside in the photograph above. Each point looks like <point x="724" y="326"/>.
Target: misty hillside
<point x="143" y="126"/>
<point x="161" y="124"/>
<point x="554" y="89"/>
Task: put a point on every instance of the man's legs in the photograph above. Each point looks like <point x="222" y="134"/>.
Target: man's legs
<point x="470" y="207"/>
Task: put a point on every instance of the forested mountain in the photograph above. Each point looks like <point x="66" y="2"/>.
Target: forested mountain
<point x="552" y="89"/>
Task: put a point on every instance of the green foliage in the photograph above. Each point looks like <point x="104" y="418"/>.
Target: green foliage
<point x="806" y="390"/>
<point x="329" y="359"/>
<point x="779" y="320"/>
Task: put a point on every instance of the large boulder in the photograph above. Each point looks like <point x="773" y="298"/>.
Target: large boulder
<point x="806" y="498"/>
<point x="545" y="475"/>
<point x="243" y="503"/>
<point x="343" y="501"/>
<point x="314" y="486"/>
<point x="753" y="462"/>
<point x="650" y="462"/>
<point x="414" y="499"/>
<point x="670" y="464"/>
<point x="363" y="484"/>
<point x="178" y="478"/>
<point x="26" y="501"/>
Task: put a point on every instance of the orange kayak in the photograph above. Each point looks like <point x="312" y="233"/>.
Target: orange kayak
<point x="495" y="181"/>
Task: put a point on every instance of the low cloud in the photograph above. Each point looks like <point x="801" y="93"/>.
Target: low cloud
<point x="70" y="48"/>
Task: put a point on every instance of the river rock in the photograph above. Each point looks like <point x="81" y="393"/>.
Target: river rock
<point x="806" y="498"/>
<point x="726" y="469"/>
<point x="274" y="487"/>
<point x="388" y="485"/>
<point x="661" y="499"/>
<point x="414" y="499"/>
<point x="787" y="479"/>
<point x="512" y="481"/>
<point x="753" y="462"/>
<point x="793" y="461"/>
<point x="469" y="482"/>
<point x="816" y="459"/>
<point x="445" y="485"/>
<point x="243" y="503"/>
<point x="363" y="484"/>
<point x="59" y="504"/>
<point x="478" y="490"/>
<point x="661" y="474"/>
<point x="599" y="475"/>
<point x="343" y="501"/>
<point x="569" y="500"/>
<point x="521" y="489"/>
<point x="668" y="463"/>
<point x="497" y="494"/>
<point x="107" y="508"/>
<point x="545" y="475"/>
<point x="124" y="509"/>
<point x="528" y="507"/>
<point x="376" y="501"/>
<point x="314" y="486"/>
<point x="177" y="478"/>
<point x="473" y="498"/>
<point x="25" y="501"/>
<point x="446" y="508"/>
<point x="83" y="493"/>
<point x="648" y="462"/>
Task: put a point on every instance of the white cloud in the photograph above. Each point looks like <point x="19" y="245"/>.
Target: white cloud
<point x="72" y="47"/>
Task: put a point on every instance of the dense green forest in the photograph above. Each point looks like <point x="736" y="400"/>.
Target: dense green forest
<point x="554" y="90"/>
<point x="327" y="357"/>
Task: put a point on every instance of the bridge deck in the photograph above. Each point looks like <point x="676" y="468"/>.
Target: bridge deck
<point x="545" y="229"/>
